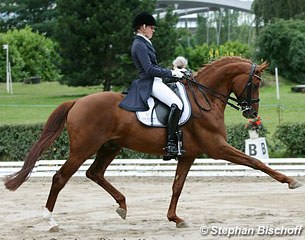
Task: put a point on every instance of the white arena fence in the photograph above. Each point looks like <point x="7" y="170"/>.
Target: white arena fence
<point x="158" y="167"/>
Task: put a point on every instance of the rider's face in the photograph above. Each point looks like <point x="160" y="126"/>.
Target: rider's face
<point x="148" y="31"/>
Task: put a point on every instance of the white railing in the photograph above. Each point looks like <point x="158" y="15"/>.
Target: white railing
<point x="158" y="167"/>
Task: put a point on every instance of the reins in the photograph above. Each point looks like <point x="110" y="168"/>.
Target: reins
<point x="239" y="103"/>
<point x="201" y="89"/>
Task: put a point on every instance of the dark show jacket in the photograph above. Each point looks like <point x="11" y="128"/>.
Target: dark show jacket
<point x="145" y="60"/>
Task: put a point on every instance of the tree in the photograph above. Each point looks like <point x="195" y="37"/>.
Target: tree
<point x="222" y="26"/>
<point x="39" y="15"/>
<point x="31" y="54"/>
<point x="201" y="35"/>
<point x="166" y="38"/>
<point x="95" y="38"/>
<point x="201" y="54"/>
<point x="282" y="44"/>
<point x="266" y="11"/>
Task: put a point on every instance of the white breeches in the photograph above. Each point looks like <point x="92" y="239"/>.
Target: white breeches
<point x="165" y="94"/>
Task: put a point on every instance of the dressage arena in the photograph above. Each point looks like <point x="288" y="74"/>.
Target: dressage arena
<point x="220" y="205"/>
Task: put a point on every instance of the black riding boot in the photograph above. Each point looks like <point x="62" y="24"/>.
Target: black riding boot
<point x="172" y="128"/>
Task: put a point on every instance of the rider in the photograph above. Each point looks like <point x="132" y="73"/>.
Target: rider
<point x="150" y="82"/>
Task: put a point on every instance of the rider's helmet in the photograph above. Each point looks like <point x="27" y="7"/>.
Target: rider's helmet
<point x="143" y="18"/>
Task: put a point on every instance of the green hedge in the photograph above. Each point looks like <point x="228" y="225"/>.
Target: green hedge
<point x="16" y="140"/>
<point x="292" y="137"/>
<point x="236" y="135"/>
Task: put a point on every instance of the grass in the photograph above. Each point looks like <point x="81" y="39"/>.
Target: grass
<point x="33" y="103"/>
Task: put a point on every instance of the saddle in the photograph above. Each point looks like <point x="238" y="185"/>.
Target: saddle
<point x="158" y="112"/>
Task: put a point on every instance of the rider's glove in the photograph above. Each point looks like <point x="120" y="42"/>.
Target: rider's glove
<point x="178" y="73"/>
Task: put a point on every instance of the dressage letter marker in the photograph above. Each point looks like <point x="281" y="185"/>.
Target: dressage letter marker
<point x="257" y="148"/>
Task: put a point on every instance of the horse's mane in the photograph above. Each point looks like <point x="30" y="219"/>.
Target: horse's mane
<point x="220" y="62"/>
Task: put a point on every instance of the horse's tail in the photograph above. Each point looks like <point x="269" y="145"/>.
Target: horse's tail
<point x="52" y="129"/>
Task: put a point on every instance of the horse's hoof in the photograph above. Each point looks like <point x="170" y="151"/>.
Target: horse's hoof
<point x="122" y="212"/>
<point x="182" y="225"/>
<point x="54" y="229"/>
<point x="295" y="184"/>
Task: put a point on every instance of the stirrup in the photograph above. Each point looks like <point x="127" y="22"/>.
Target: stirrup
<point x="173" y="150"/>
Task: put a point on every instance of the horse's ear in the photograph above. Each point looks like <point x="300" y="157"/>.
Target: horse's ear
<point x="261" y="68"/>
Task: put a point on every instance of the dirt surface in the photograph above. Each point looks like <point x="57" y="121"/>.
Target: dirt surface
<point x="242" y="207"/>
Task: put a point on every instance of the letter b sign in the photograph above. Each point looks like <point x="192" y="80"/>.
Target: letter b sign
<point x="252" y="149"/>
<point x="257" y="148"/>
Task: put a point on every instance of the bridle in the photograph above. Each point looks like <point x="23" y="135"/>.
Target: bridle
<point x="239" y="103"/>
<point x="246" y="104"/>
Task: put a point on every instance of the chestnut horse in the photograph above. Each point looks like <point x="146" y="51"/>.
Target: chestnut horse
<point x="97" y="125"/>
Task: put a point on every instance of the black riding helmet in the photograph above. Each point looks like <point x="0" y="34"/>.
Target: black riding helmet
<point x="143" y="18"/>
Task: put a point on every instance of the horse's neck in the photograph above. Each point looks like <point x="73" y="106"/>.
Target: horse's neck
<point x="218" y="80"/>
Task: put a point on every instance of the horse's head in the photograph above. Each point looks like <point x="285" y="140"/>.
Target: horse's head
<point x="224" y="76"/>
<point x="246" y="89"/>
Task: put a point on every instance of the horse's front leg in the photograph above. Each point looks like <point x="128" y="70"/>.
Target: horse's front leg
<point x="231" y="154"/>
<point x="183" y="167"/>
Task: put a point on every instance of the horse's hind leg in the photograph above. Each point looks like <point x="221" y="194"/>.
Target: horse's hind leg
<point x="96" y="172"/>
<point x="59" y="181"/>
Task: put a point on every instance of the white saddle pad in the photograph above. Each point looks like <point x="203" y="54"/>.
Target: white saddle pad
<point x="149" y="117"/>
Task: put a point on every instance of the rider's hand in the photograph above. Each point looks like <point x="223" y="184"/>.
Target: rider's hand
<point x="178" y="73"/>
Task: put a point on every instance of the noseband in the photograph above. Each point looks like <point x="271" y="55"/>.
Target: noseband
<point x="241" y="104"/>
